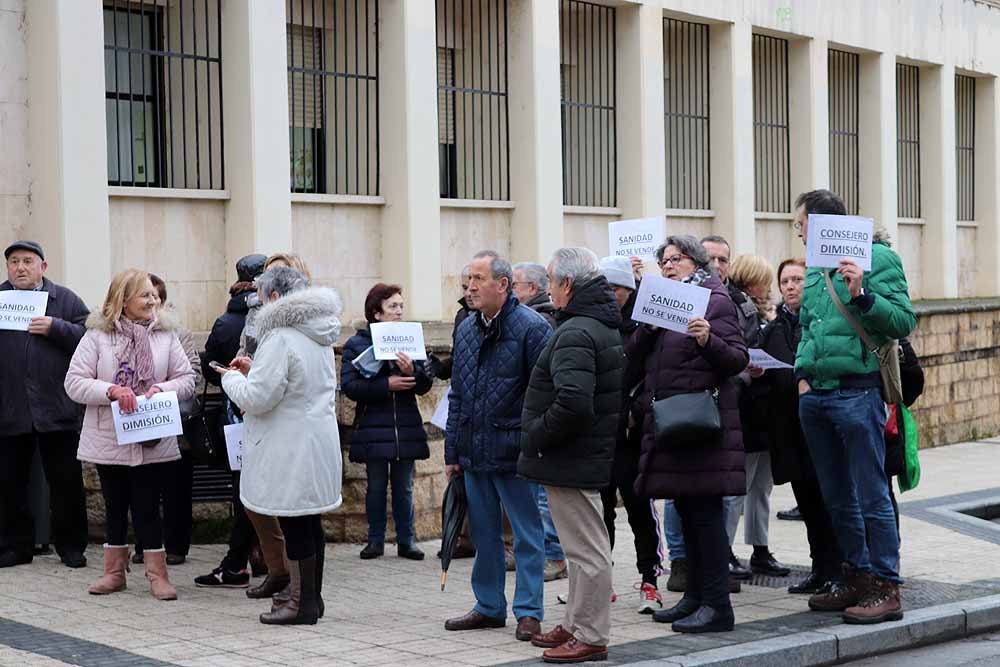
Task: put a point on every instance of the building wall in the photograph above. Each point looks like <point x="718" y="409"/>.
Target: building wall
<point x="464" y="232"/>
<point x="14" y="176"/>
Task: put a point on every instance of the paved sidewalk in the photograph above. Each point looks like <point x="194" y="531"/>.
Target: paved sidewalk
<point x="391" y="612"/>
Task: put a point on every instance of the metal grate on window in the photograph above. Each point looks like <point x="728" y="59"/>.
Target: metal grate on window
<point x="908" y="141"/>
<point x="587" y="66"/>
<point x="473" y="120"/>
<point x="965" y="145"/>
<point x="163" y="93"/>
<point x="686" y="118"/>
<point x="772" y="159"/>
<point x="333" y="102"/>
<point x="843" y="75"/>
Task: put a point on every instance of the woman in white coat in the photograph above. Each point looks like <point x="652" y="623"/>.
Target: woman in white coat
<point x="291" y="452"/>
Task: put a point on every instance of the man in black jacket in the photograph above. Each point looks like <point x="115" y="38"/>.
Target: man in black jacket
<point x="35" y="411"/>
<point x="569" y="424"/>
<point x="224" y="341"/>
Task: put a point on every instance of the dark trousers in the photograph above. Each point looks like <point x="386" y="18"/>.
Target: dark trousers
<point x="303" y="535"/>
<point x="177" y="506"/>
<point x="380" y="474"/>
<point x="242" y="536"/>
<point x="823" y="548"/>
<point x="638" y="510"/>
<point x="66" y="496"/>
<point x="703" y="521"/>
<point x="134" y="489"/>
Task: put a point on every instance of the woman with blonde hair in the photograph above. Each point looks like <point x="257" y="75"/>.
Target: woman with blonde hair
<point x="130" y="350"/>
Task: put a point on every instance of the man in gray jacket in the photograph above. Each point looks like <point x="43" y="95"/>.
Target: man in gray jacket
<point x="35" y="411"/>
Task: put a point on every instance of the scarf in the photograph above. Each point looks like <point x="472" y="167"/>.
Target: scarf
<point x="698" y="277"/>
<point x="134" y="354"/>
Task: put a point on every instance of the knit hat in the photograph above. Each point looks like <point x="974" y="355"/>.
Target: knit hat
<point x="618" y="271"/>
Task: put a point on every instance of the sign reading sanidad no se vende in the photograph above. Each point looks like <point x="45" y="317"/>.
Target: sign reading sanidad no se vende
<point x="19" y="307"/>
<point x="388" y="338"/>
<point x="669" y="304"/>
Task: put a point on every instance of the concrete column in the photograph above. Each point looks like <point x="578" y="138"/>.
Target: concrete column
<point x="68" y="144"/>
<point x="877" y="140"/>
<point x="641" y="159"/>
<point x="938" y="257"/>
<point x="254" y="69"/>
<point x="535" y="128"/>
<point x="411" y="220"/>
<point x="731" y="118"/>
<point x="987" y="187"/>
<point x="809" y="121"/>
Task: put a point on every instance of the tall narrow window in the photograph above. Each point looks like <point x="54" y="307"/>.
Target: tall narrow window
<point x="772" y="171"/>
<point x="965" y="145"/>
<point x="843" y="76"/>
<point x="473" y="120"/>
<point x="685" y="105"/>
<point x="908" y="141"/>
<point x="587" y="64"/>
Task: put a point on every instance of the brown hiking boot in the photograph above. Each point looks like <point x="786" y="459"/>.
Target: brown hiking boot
<point x="855" y="587"/>
<point x="880" y="605"/>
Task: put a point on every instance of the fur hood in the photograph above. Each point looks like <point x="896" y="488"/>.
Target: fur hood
<point x="164" y="322"/>
<point x="314" y="311"/>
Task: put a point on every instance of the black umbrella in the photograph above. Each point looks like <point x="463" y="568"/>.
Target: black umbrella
<point x="453" y="510"/>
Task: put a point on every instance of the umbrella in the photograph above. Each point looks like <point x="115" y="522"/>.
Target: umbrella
<point x="453" y="510"/>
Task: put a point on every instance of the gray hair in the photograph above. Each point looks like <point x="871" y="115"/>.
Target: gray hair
<point x="499" y="267"/>
<point x="688" y="245"/>
<point x="534" y="274"/>
<point x="577" y="264"/>
<point x="281" y="279"/>
<point x="466" y="271"/>
<point x="713" y="238"/>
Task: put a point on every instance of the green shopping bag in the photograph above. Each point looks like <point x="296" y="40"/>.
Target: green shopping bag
<point x="908" y="429"/>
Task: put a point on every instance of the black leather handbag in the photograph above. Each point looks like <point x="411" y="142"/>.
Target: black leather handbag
<point x="200" y="419"/>
<point x="690" y="420"/>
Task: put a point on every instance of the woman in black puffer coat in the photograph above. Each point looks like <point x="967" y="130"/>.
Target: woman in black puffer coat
<point x="388" y="434"/>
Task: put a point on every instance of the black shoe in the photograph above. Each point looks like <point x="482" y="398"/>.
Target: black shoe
<point x="176" y="559"/>
<point x="10" y="558"/>
<point x="736" y="569"/>
<point x="734" y="585"/>
<point x="808" y="586"/>
<point x="682" y="609"/>
<point x="223" y="578"/>
<point x="768" y="565"/>
<point x="73" y="558"/>
<point x="706" y="619"/>
<point x="791" y="515"/>
<point x="137" y="558"/>
<point x="408" y="551"/>
<point x="372" y="550"/>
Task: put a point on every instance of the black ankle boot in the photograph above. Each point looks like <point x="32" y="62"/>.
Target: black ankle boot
<point x="409" y="551"/>
<point x="372" y="550"/>
<point x="808" y="586"/>
<point x="706" y="619"/>
<point x="682" y="609"/>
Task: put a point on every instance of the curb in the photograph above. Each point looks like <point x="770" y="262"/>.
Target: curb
<point x="841" y="643"/>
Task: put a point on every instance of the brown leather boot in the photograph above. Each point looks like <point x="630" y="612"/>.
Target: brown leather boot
<point x="880" y="605"/>
<point x="115" y="567"/>
<point x="156" y="572"/>
<point x="281" y="598"/>
<point x="272" y="547"/>
<point x="851" y="591"/>
<point x="301" y="608"/>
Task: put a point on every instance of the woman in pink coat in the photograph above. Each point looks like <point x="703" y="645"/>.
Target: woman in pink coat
<point x="130" y="350"/>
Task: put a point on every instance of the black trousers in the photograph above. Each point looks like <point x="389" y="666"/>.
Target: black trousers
<point x="703" y="521"/>
<point x="134" y="489"/>
<point x="242" y="536"/>
<point x="823" y="547"/>
<point x="303" y="535"/>
<point x="177" y="505"/>
<point x="638" y="510"/>
<point x="66" y="497"/>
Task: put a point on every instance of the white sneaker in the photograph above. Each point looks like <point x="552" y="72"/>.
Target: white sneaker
<point x="563" y="598"/>
<point x="649" y="598"/>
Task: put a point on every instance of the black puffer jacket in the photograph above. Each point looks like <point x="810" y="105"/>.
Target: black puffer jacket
<point x="224" y="341"/>
<point x="387" y="424"/>
<point x="542" y="304"/>
<point x="573" y="402"/>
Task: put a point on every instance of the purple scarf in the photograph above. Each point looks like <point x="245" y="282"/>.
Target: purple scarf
<point x="134" y="354"/>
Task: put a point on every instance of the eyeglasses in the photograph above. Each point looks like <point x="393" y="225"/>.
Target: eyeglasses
<point x="796" y="225"/>
<point x="673" y="259"/>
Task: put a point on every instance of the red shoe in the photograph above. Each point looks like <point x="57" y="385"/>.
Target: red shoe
<point x="649" y="598"/>
<point x="575" y="651"/>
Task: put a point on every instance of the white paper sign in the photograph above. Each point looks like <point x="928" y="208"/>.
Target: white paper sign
<point x="234" y="445"/>
<point x="440" y="418"/>
<point x="154" y="418"/>
<point x="388" y="338"/>
<point x="762" y="359"/>
<point x="832" y="238"/>
<point x="17" y="307"/>
<point x="669" y="304"/>
<point x="636" y="238"/>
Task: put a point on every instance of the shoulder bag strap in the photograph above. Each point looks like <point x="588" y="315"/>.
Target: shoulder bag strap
<point x="847" y="315"/>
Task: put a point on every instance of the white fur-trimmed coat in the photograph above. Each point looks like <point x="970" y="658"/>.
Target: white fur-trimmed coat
<point x="292" y="462"/>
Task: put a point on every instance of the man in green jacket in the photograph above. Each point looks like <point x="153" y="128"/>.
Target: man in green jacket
<point x="843" y="415"/>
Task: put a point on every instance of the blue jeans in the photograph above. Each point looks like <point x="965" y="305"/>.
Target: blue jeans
<point x="673" y="531"/>
<point x="486" y="493"/>
<point x="553" y="550"/>
<point x="845" y="433"/>
<point x="379" y="475"/>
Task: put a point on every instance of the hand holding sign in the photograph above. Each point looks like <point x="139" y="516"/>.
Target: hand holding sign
<point x="852" y="275"/>
<point x="699" y="329"/>
<point x="390" y="338"/>
<point x="24" y="310"/>
<point x="673" y="305"/>
<point x="150" y="420"/>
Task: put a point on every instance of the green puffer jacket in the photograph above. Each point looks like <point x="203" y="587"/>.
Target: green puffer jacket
<point x="830" y="350"/>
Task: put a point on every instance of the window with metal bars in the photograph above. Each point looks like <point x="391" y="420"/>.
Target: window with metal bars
<point x="686" y="118"/>
<point x="843" y="80"/>
<point x="163" y="93"/>
<point x="908" y="141"/>
<point x="772" y="157"/>
<point x="333" y="101"/>
<point x="473" y="119"/>
<point x="965" y="145"/>
<point x="587" y="67"/>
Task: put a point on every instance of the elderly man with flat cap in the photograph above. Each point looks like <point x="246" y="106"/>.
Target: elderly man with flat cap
<point x="36" y="412"/>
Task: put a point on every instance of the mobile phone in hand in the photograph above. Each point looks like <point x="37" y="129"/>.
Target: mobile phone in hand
<point x="217" y="366"/>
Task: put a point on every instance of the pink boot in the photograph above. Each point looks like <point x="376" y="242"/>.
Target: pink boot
<point x="115" y="567"/>
<point x="156" y="572"/>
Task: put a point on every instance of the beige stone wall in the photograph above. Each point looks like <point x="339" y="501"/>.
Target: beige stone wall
<point x="908" y="244"/>
<point x="587" y="230"/>
<point x="14" y="176"/>
<point x="464" y="232"/>
<point x="968" y="267"/>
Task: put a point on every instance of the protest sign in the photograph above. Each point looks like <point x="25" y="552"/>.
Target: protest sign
<point x="669" y="304"/>
<point x="762" y="359"/>
<point x="234" y="445"/>
<point x="440" y="418"/>
<point x="635" y="238"/>
<point x="832" y="238"/>
<point x="17" y="307"/>
<point x="388" y="338"/>
<point x="154" y="418"/>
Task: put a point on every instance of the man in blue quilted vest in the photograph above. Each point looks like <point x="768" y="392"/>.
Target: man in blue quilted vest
<point x="495" y="351"/>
